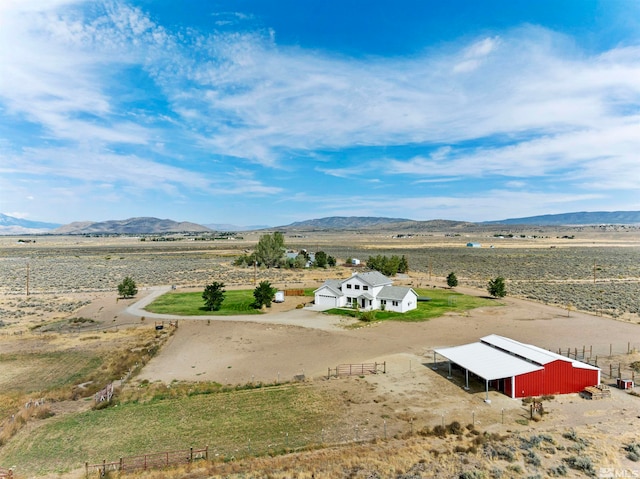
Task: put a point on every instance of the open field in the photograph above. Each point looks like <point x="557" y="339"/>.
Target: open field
<point x="73" y="300"/>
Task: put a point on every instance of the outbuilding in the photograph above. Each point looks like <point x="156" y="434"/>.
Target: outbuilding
<point x="520" y="370"/>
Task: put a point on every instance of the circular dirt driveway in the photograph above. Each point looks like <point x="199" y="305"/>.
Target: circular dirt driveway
<point x="282" y="344"/>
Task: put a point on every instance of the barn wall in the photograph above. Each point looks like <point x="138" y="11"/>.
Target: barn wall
<point x="557" y="377"/>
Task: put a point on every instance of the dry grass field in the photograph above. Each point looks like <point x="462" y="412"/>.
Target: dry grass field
<point x="71" y="334"/>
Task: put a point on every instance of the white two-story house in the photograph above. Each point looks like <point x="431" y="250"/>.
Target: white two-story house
<point x="366" y="291"/>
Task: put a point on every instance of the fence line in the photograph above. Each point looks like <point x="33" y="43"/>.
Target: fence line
<point x="149" y="461"/>
<point x="604" y="359"/>
<point x="357" y="369"/>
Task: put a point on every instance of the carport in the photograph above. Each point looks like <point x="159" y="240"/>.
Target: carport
<point x="488" y="363"/>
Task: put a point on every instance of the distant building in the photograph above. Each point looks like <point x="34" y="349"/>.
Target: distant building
<point x="474" y="245"/>
<point x="366" y="291"/>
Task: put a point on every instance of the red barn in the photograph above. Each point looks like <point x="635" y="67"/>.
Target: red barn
<point x="521" y="370"/>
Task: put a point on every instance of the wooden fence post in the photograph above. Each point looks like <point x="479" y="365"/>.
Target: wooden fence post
<point x="121" y="463"/>
<point x="191" y="454"/>
<point x="206" y="452"/>
<point x="86" y="470"/>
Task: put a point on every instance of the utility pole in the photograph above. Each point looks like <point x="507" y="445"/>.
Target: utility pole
<point x="27" y="278"/>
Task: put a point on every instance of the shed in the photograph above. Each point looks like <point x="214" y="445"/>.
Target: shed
<point x="520" y="370"/>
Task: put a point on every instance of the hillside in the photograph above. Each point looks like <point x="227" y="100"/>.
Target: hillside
<point x="144" y="225"/>
<point x="578" y="218"/>
<point x="17" y="226"/>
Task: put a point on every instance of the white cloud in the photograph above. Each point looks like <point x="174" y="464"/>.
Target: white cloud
<point x="527" y="104"/>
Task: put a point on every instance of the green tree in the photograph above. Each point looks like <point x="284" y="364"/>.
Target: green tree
<point x="263" y="295"/>
<point x="270" y="249"/>
<point x="452" y="280"/>
<point x="331" y="261"/>
<point x="213" y="295"/>
<point x="321" y="259"/>
<point x="300" y="261"/>
<point x="403" y="266"/>
<point x="497" y="287"/>
<point x="127" y="288"/>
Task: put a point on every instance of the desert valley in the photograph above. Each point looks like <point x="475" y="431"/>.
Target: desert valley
<point x="255" y="393"/>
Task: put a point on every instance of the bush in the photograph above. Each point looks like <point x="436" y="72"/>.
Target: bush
<point x="633" y="451"/>
<point x="367" y="316"/>
<point x="559" y="470"/>
<point x="581" y="463"/>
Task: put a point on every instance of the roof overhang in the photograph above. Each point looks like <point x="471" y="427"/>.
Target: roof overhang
<point x="487" y="362"/>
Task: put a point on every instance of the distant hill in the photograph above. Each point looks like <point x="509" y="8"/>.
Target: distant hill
<point x="17" y="226"/>
<point x="228" y="227"/>
<point x="144" y="225"/>
<point x="342" y="223"/>
<point x="578" y="218"/>
<point x="373" y="223"/>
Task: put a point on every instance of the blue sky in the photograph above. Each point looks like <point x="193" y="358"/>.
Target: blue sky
<point x="255" y="112"/>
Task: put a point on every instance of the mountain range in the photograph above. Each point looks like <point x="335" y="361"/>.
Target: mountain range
<point x="146" y="225"/>
<point x="130" y="226"/>
<point x="18" y="226"/>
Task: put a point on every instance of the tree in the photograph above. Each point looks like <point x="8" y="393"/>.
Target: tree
<point x="403" y="267"/>
<point x="452" y="280"/>
<point x="270" y="249"/>
<point x="321" y="259"/>
<point x="213" y="296"/>
<point x="331" y="261"/>
<point x="388" y="266"/>
<point x="263" y="295"/>
<point x="496" y="287"/>
<point x="128" y="288"/>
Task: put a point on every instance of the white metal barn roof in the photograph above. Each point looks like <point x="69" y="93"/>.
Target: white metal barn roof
<point x="530" y="352"/>
<point x="487" y="361"/>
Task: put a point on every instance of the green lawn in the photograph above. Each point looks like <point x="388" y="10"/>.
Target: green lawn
<point x="192" y="304"/>
<point x="237" y="423"/>
<point x="442" y="301"/>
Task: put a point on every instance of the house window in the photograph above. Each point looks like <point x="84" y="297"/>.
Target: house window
<point x="366" y="288"/>
<point x="383" y="301"/>
<point x="348" y="286"/>
<point x="395" y="303"/>
<point x="357" y="286"/>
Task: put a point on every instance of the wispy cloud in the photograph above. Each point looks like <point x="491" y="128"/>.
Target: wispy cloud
<point x="110" y="96"/>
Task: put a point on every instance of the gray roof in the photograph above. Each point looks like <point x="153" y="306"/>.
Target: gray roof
<point x="366" y="296"/>
<point x="394" y="293"/>
<point x="333" y="285"/>
<point x="374" y="278"/>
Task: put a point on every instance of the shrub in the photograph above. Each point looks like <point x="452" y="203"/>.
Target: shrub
<point x="581" y="463"/>
<point x="475" y="474"/>
<point x="455" y="428"/>
<point x="559" y="470"/>
<point x="633" y="451"/>
<point x="532" y="458"/>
